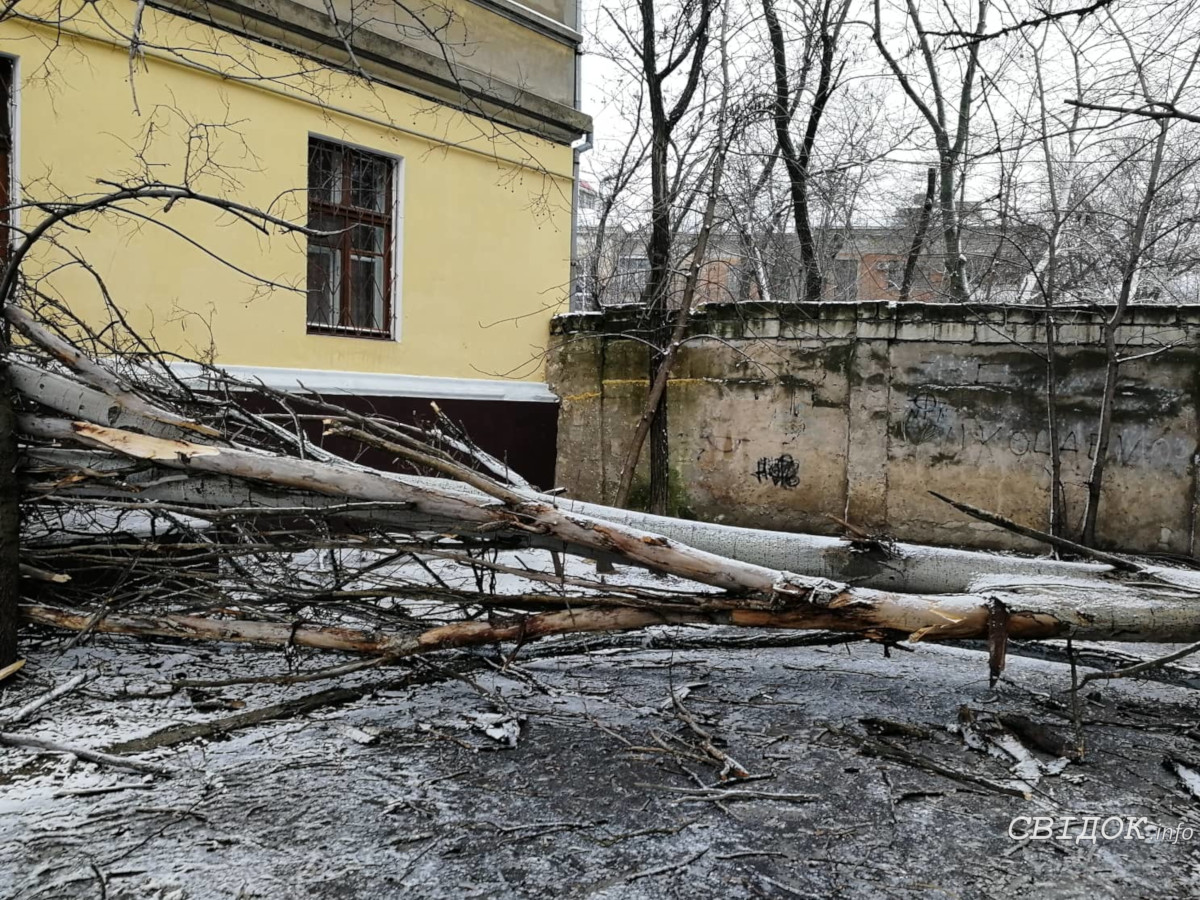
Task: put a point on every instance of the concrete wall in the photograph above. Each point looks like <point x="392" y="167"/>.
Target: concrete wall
<point x="783" y="415"/>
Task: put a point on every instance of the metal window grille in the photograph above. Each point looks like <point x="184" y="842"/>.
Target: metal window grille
<point x="350" y="195"/>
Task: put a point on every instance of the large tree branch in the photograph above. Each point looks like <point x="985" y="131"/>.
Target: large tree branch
<point x="1159" y="109"/>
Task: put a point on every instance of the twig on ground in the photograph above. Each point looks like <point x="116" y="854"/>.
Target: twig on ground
<point x="178" y="734"/>
<point x="104" y="789"/>
<point x="1076" y="712"/>
<point x="95" y="756"/>
<point x="663" y="870"/>
<point x="300" y="678"/>
<point x="729" y="765"/>
<point x="725" y="795"/>
<point x="37" y="703"/>
<point x="1141" y="667"/>
<point x="884" y="749"/>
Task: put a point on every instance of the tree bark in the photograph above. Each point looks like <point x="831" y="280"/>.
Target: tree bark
<point x="10" y="520"/>
<point x="907" y="567"/>
<point x="918" y="241"/>
<point x="1034" y="613"/>
<point x="96" y="375"/>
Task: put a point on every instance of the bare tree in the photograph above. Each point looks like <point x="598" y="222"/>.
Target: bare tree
<point x="821" y="23"/>
<point x="667" y="45"/>
<point x="1139" y="242"/>
<point x="1060" y="170"/>
<point x="951" y="132"/>
<point x="688" y="33"/>
<point x="697" y="257"/>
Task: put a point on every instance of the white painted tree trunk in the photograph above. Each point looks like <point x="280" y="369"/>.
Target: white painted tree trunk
<point x="909" y="568"/>
<point x="763" y="596"/>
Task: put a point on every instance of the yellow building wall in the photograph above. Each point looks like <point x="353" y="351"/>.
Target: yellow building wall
<point x="471" y="34"/>
<point x="485" y="212"/>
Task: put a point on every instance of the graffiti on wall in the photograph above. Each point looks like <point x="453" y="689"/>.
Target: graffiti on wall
<point x="782" y="471"/>
<point x="929" y="419"/>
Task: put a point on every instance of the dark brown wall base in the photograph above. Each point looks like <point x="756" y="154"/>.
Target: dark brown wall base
<point x="522" y="434"/>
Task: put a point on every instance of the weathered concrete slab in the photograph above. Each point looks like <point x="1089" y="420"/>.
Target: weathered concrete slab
<point x="858" y="410"/>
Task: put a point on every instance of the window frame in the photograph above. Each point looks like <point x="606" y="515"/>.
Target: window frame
<point x="844" y="290"/>
<point x="892" y="273"/>
<point x="350" y="216"/>
<point x="631" y="281"/>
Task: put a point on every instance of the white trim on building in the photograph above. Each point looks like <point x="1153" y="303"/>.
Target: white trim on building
<point x="377" y="384"/>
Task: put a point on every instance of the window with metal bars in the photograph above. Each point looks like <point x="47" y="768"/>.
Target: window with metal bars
<point x="350" y="198"/>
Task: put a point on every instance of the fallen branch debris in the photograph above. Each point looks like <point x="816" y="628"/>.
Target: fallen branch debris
<point x="84" y="753"/>
<point x="45" y="699"/>
<point x="210" y="510"/>
<point x="179" y="734"/>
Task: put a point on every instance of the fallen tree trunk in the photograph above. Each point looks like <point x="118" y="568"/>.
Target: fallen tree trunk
<point x="137" y="469"/>
<point x="906" y="567"/>
<point x="447" y="501"/>
<point x="902" y="567"/>
<point x="531" y="515"/>
<point x="288" y="709"/>
<point x="1049" y="613"/>
<point x="1033" y="613"/>
<point x="207" y="628"/>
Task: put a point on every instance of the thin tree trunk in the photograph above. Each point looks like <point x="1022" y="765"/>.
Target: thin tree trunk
<point x="10" y="519"/>
<point x="955" y="264"/>
<point x="658" y="251"/>
<point x="1129" y="281"/>
<point x="1044" y="276"/>
<point x="1058" y="498"/>
<point x="1035" y="613"/>
<point x="797" y="160"/>
<point x="655" y="412"/>
<point x="660" y="437"/>
<point x="1095" y="482"/>
<point x="656" y="294"/>
<point x="655" y="297"/>
<point x="918" y="241"/>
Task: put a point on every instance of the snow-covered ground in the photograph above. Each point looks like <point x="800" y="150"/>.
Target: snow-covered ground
<point x="576" y="776"/>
